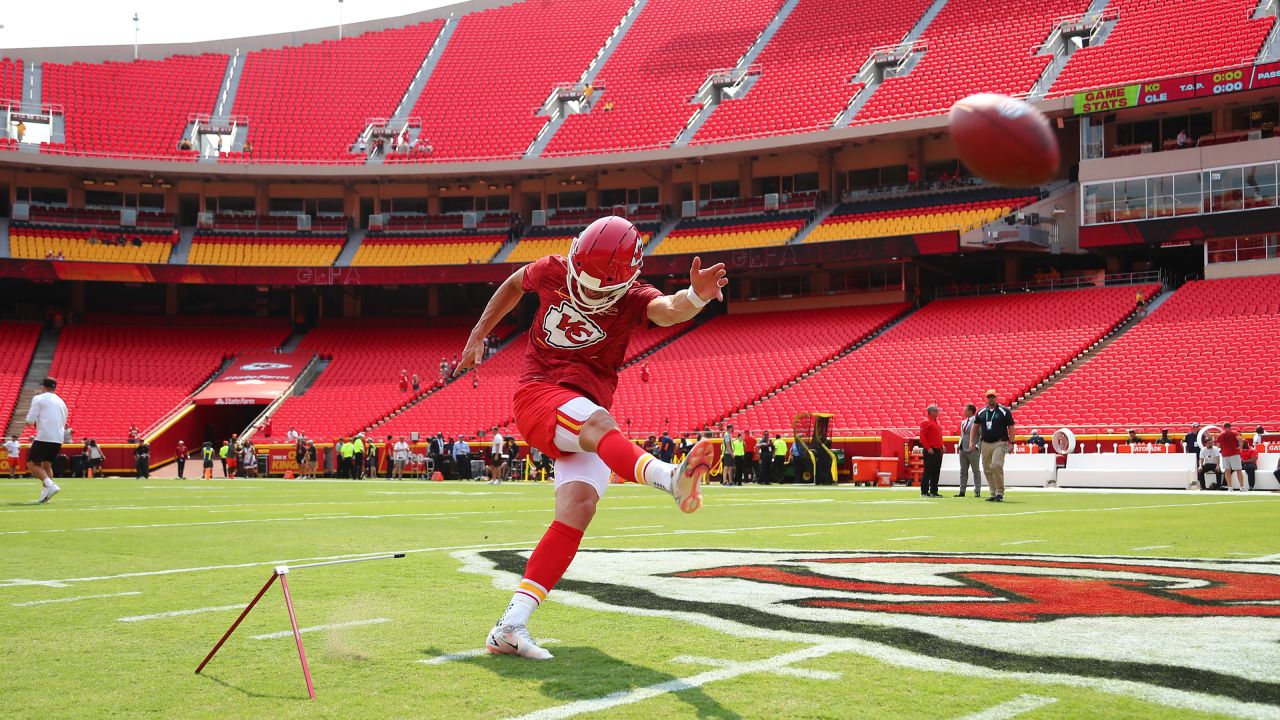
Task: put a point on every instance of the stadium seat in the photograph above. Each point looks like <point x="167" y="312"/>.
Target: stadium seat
<point x="807" y="69"/>
<point x="657" y="68"/>
<point x="948" y="353"/>
<point x="934" y="212"/>
<point x="500" y="66"/>
<point x="133" y="109"/>
<point x="37" y="242"/>
<point x="17" y="344"/>
<point x="705" y="235"/>
<point x="973" y="48"/>
<point x="1207" y="354"/>
<point x="361" y="383"/>
<point x="1153" y="40"/>
<point x="689" y="385"/>
<point x="311" y="102"/>
<point x="117" y="373"/>
<point x="418" y="249"/>
<point x="256" y="249"/>
<point x="461" y="409"/>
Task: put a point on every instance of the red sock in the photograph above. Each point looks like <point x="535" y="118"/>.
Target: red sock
<point x="620" y="454"/>
<point x="551" y="558"/>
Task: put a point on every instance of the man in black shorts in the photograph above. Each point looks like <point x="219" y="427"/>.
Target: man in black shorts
<point x="48" y="414"/>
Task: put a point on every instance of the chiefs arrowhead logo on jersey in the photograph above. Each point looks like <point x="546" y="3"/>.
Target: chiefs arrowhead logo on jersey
<point x="1164" y="626"/>
<point x="566" y="327"/>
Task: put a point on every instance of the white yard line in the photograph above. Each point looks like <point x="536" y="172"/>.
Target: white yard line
<point x="675" y="685"/>
<point x="1023" y="542"/>
<point x="318" y="628"/>
<point x="180" y="613"/>
<point x="75" y="599"/>
<point x="1150" y="547"/>
<point x="667" y="533"/>
<point x="783" y="671"/>
<point x="1268" y="558"/>
<point x="911" y="537"/>
<point x="1013" y="708"/>
<point x="824" y="532"/>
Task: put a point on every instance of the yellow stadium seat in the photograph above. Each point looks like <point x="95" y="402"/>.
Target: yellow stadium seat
<point x="36" y="243"/>
<point x="398" y="253"/>
<point x="259" y="254"/>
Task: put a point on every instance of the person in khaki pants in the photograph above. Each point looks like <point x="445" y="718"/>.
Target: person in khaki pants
<point x="970" y="453"/>
<point x="993" y="424"/>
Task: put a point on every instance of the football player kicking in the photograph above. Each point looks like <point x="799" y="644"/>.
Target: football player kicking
<point x="589" y="303"/>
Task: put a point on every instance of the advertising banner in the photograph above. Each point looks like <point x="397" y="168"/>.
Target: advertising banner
<point x="253" y="379"/>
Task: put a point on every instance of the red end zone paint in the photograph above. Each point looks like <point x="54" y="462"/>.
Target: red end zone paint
<point x="1014" y="596"/>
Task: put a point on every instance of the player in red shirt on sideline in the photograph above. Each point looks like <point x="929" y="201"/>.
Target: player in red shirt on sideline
<point x="589" y="303"/>
<point x="1229" y="444"/>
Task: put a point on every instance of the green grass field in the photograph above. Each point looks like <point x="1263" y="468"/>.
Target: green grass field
<point x="777" y="602"/>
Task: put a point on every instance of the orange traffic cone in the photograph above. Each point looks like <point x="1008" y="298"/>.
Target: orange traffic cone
<point x="288" y="474"/>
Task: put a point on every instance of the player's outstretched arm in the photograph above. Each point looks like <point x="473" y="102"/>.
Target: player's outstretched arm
<point x="705" y="285"/>
<point x="504" y="300"/>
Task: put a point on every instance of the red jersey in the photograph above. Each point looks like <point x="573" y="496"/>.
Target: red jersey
<point x="931" y="435"/>
<point x="1229" y="443"/>
<point x="571" y="348"/>
<point x="749" y="444"/>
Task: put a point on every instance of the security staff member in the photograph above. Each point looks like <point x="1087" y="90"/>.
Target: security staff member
<point x="992" y="425"/>
<point x="206" y="459"/>
<point x="222" y="455"/>
<point x="779" y="459"/>
<point x="765" y="476"/>
<point x="357" y="470"/>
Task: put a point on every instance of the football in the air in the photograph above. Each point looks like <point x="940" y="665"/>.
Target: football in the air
<point x="1004" y="140"/>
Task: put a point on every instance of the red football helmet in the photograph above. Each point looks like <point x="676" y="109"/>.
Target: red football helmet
<point x="604" y="260"/>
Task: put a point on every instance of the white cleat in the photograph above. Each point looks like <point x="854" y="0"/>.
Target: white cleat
<point x="689" y="475"/>
<point x="48" y="493"/>
<point x="515" y="640"/>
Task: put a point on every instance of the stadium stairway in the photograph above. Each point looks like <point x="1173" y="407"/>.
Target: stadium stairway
<point x="1063" y="47"/>
<point x="1120" y="329"/>
<point x="1270" y="51"/>
<point x="41" y="361"/>
<point x="414" y="91"/>
<point x="182" y="250"/>
<point x="820" y="216"/>
<point x="308" y="373"/>
<point x="4" y="239"/>
<point x="32" y="87"/>
<point x="379" y="422"/>
<point x="548" y="131"/>
<point x="293" y="341"/>
<point x="411" y="94"/>
<point x="852" y="347"/>
<point x="871" y="80"/>
<point x="230" y="84"/>
<point x="354" y="239"/>
<point x="710" y="97"/>
<point x="661" y="235"/>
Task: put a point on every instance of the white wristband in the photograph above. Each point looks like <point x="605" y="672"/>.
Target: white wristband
<point x="693" y="298"/>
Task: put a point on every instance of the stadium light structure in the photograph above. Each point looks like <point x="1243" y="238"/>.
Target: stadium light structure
<point x="339" y="19"/>
<point x="135" y="35"/>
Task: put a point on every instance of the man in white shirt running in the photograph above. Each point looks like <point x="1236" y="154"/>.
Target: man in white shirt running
<point x="48" y="414"/>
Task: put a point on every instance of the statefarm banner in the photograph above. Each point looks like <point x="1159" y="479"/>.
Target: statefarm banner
<point x="1186" y="87"/>
<point x="253" y="379"/>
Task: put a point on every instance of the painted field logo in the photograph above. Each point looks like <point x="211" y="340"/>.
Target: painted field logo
<point x="1205" y="627"/>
